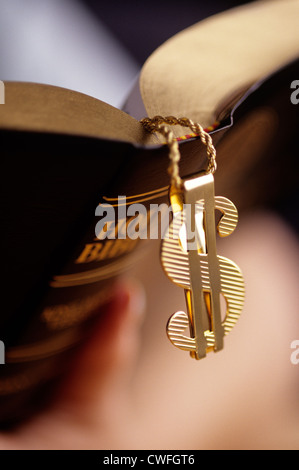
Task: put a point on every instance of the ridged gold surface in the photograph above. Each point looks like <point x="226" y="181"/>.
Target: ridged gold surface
<point x="175" y="261"/>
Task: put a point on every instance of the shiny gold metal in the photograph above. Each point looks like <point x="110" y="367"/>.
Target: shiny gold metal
<point x="190" y="260"/>
<point x="188" y="253"/>
<point x="157" y="124"/>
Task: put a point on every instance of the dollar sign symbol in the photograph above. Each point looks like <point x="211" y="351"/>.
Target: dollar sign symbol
<point x="190" y="260"/>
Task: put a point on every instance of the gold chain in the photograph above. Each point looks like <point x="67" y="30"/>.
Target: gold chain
<point x="157" y="124"/>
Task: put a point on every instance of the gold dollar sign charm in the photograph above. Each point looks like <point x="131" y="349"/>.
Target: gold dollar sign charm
<point x="188" y="252"/>
<point x="190" y="260"/>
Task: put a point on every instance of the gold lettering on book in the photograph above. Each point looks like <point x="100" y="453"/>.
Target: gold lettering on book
<point x="142" y="197"/>
<point x="101" y="250"/>
<point x="16" y="383"/>
<point x="65" y="315"/>
<point x="46" y="348"/>
<point x="116" y="238"/>
<point x="98" y="274"/>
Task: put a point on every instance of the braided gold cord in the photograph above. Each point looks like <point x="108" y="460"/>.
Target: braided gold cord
<point x="157" y="124"/>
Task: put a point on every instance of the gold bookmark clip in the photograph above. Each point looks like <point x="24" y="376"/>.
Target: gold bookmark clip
<point x="189" y="255"/>
<point x="190" y="260"/>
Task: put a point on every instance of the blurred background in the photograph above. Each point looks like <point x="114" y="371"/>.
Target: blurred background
<point x="91" y="46"/>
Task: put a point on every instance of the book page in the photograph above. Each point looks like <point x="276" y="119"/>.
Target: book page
<point x="201" y="68"/>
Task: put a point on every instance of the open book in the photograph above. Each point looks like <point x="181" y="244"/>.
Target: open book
<point x="63" y="153"/>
